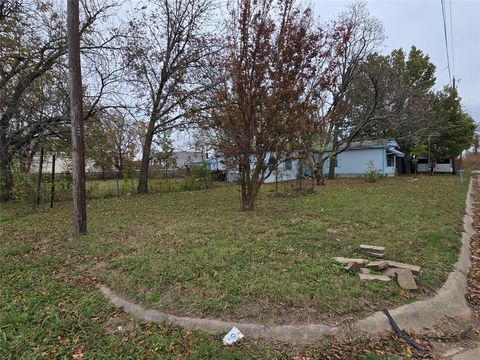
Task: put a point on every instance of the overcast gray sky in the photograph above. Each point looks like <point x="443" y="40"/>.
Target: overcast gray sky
<point x="419" y="23"/>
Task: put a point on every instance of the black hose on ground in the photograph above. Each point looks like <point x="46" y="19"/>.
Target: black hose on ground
<point x="404" y="336"/>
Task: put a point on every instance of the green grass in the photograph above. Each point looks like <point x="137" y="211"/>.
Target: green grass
<point x="194" y="253"/>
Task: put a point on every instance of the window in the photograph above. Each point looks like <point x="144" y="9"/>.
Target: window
<point x="390" y="160"/>
<point x="288" y="165"/>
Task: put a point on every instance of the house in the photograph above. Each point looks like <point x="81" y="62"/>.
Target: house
<point x="180" y="159"/>
<point x="183" y="158"/>
<point x="381" y="155"/>
<point x="63" y="164"/>
<point x="287" y="170"/>
<point x="360" y="157"/>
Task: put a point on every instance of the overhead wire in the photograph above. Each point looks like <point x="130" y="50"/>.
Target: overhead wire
<point x="451" y="40"/>
<point x="446" y="39"/>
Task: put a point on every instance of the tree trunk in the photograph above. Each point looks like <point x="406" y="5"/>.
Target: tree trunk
<point x="6" y="182"/>
<point x="331" y="167"/>
<point x="147" y="148"/>
<point x="248" y="187"/>
<point x="76" y="111"/>
<point x="313" y="168"/>
<point x="320" y="176"/>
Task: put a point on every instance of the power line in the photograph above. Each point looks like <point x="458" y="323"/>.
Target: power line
<point x="451" y="40"/>
<point x="446" y="39"/>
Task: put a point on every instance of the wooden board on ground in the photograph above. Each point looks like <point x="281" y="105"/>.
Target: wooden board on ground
<point x="343" y="260"/>
<point x="405" y="279"/>
<point x="413" y="268"/>
<point x="373" y="277"/>
<point x="377" y="265"/>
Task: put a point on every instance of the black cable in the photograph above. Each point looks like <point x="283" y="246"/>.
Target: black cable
<point x="404" y="336"/>
<point x="446" y="39"/>
<point x="451" y="38"/>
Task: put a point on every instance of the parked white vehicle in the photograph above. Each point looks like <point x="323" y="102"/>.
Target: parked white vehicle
<point x="442" y="166"/>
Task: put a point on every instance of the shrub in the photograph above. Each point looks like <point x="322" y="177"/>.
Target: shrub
<point x="127" y="185"/>
<point x="371" y="175"/>
<point x="24" y="186"/>
<point x="190" y="183"/>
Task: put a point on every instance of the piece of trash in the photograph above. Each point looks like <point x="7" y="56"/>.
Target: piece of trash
<point x="232" y="336"/>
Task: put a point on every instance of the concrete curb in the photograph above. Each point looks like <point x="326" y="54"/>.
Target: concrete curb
<point x="449" y="301"/>
<point x="285" y="333"/>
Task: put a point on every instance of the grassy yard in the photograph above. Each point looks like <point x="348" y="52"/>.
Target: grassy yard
<point x="194" y="253"/>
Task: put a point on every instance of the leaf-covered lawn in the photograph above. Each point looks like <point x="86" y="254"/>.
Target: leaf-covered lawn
<point x="195" y="253"/>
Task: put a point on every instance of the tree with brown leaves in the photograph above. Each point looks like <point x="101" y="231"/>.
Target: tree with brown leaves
<point x="262" y="74"/>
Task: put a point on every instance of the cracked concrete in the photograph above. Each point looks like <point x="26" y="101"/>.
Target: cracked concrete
<point x="449" y="301"/>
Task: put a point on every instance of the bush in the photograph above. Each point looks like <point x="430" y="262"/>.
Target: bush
<point x="24" y="185"/>
<point x="371" y="175"/>
<point x="127" y="185"/>
<point x="63" y="187"/>
<point x="202" y="175"/>
<point x="190" y="183"/>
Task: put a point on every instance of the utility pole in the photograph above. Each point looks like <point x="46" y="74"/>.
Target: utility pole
<point x="76" y="114"/>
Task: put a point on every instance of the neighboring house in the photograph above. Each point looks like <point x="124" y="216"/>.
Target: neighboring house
<point x="287" y="170"/>
<point x="180" y="159"/>
<point x="355" y="161"/>
<point x="183" y="158"/>
<point x="63" y="164"/>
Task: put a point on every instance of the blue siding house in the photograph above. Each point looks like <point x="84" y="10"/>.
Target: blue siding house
<point x="355" y="161"/>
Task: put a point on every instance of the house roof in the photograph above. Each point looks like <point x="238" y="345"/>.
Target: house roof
<point x="373" y="143"/>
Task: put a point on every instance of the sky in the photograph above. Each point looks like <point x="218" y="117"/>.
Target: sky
<point x="420" y="23"/>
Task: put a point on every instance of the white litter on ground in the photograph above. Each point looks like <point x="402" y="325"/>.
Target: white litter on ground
<point x="232" y="336"/>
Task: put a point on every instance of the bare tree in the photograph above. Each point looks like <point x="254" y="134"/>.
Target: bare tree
<point x="260" y="92"/>
<point x="167" y="58"/>
<point x="33" y="45"/>
<point x="356" y="35"/>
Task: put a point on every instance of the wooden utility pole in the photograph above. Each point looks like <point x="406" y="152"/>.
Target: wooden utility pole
<point x="76" y="114"/>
